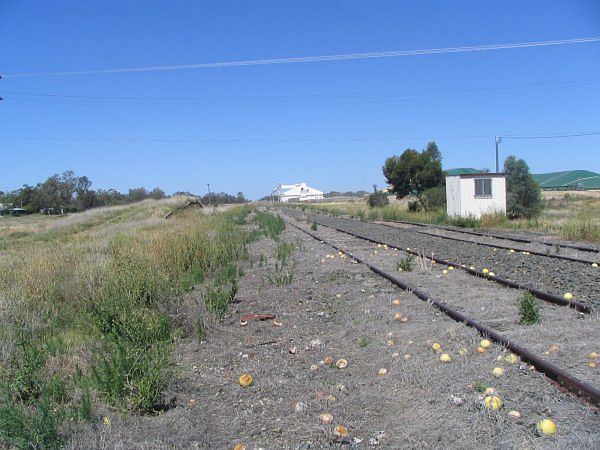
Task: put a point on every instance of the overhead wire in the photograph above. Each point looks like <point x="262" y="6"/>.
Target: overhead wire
<point x="307" y="59"/>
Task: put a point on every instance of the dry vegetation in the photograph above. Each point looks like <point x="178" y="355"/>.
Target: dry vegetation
<point x="571" y="216"/>
<point x="90" y="308"/>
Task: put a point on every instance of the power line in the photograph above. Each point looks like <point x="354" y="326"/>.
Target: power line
<point x="306" y="59"/>
<point x="314" y="139"/>
<point x="316" y="99"/>
<point x="552" y="136"/>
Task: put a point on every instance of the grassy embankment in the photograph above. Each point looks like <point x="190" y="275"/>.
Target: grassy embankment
<point x="568" y="216"/>
<point x="91" y="305"/>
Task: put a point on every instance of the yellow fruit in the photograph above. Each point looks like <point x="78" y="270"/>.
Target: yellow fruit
<point x="381" y="372"/>
<point x="498" y="372"/>
<point x="246" y="380"/>
<point x="546" y="426"/>
<point x="340" y="430"/>
<point x="485" y="270"/>
<point x="485" y="343"/>
<point x="444" y="272"/>
<point x="404" y="319"/>
<point x="450" y="268"/>
<point x="489" y="391"/>
<point x="436" y="347"/>
<point x="445" y="358"/>
<point x="511" y="251"/>
<point x="239" y="447"/>
<point x="512" y="358"/>
<point x="328" y="360"/>
<point x="515" y="414"/>
<point x="593" y="364"/>
<point x="491" y="274"/>
<point x="397" y="316"/>
<point x="396" y="302"/>
<point x="493" y="402"/>
<point x="593" y="355"/>
<point x="472" y="267"/>
<point x="481" y="350"/>
<point x="553" y="348"/>
<point x="326" y="418"/>
<point x="391" y="342"/>
<point x="568" y="296"/>
<point x="341" y="363"/>
<point x="594" y="264"/>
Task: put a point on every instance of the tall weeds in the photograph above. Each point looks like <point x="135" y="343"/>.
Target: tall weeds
<point x="95" y="313"/>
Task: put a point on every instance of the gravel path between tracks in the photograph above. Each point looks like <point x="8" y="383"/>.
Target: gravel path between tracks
<point x="550" y="275"/>
<point x="342" y="310"/>
<point x="588" y="257"/>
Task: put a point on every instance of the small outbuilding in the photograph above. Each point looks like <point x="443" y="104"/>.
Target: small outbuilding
<point x="298" y="192"/>
<point x="474" y="194"/>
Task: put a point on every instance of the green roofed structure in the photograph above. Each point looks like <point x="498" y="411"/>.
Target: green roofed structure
<point x="568" y="180"/>
<point x="461" y="171"/>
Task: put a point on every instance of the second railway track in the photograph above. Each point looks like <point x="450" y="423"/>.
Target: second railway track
<point x="561" y="342"/>
<point x="534" y="272"/>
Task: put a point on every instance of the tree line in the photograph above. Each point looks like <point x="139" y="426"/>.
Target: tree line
<point x="67" y="192"/>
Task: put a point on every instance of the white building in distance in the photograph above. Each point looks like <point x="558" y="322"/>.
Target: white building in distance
<point x="299" y="192"/>
<point x="474" y="194"/>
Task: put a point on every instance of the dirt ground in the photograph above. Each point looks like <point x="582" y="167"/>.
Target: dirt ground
<point x="334" y="308"/>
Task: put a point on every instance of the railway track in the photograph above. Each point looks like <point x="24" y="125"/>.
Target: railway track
<point x="568" y="381"/>
<point x="506" y="237"/>
<point x="542" y="276"/>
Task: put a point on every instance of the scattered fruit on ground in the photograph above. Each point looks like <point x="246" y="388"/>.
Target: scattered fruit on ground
<point x="396" y="302"/>
<point x="444" y="271"/>
<point x="568" y="296"/>
<point x="515" y="414"/>
<point x="491" y="274"/>
<point x="593" y="355"/>
<point x="341" y="363"/>
<point x="498" y="372"/>
<point x="246" y="380"/>
<point x="493" y="402"/>
<point x="328" y="360"/>
<point x="553" y="348"/>
<point x="450" y="268"/>
<point x="481" y="350"/>
<point x="239" y="447"/>
<point x="593" y="364"/>
<point x="511" y="358"/>
<point x="340" y="430"/>
<point x="326" y="418"/>
<point x="403" y="319"/>
<point x="485" y="343"/>
<point x="489" y="391"/>
<point x="485" y="270"/>
<point x="472" y="267"/>
<point x="594" y="264"/>
<point x="383" y="371"/>
<point x="445" y="358"/>
<point x="546" y="427"/>
<point x="462" y="351"/>
<point x="391" y="342"/>
<point x="436" y="347"/>
<point x="397" y="316"/>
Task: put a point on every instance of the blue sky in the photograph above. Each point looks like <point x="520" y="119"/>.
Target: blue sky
<point x="331" y="124"/>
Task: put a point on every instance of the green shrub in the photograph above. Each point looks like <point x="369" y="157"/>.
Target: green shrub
<point x="378" y="199"/>
<point x="434" y="198"/>
<point x="313" y="227"/>
<point x="405" y="264"/>
<point x="529" y="309"/>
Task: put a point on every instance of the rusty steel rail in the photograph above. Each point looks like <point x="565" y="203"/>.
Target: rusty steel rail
<point x="555" y="373"/>
<point x="546" y="296"/>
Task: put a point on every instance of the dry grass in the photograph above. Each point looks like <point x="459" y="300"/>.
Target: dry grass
<point x="87" y="305"/>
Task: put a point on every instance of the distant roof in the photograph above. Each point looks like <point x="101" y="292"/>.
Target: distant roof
<point x="461" y="171"/>
<point x="569" y="179"/>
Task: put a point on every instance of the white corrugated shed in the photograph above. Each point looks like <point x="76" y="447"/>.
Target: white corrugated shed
<point x="476" y="194"/>
<point x="298" y="192"/>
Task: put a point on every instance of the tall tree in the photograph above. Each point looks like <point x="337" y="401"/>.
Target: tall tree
<point x="414" y="172"/>
<point x="524" y="194"/>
